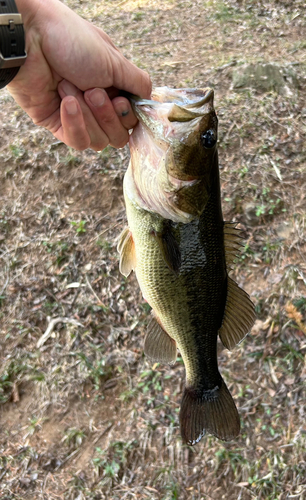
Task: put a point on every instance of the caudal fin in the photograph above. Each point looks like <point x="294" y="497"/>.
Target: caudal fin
<point x="212" y="411"/>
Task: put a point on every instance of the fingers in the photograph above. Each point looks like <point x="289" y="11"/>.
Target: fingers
<point x="114" y="117"/>
<point x="73" y="131"/>
<point x="92" y="119"/>
<point x="98" y="140"/>
<point x="125" y="113"/>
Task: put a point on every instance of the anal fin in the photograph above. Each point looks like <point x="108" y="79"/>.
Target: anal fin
<point x="158" y="345"/>
<point x="126" y="249"/>
<point x="239" y="315"/>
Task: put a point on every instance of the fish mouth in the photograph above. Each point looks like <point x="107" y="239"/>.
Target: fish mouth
<point x="170" y="165"/>
<point x="177" y="105"/>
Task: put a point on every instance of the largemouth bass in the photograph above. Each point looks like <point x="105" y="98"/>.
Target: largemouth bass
<point x="181" y="249"/>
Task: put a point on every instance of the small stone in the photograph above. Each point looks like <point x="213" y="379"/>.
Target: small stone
<point x="266" y="77"/>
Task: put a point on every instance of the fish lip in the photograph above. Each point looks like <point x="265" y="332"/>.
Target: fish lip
<point x="200" y="97"/>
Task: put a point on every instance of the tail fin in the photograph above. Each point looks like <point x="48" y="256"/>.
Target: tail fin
<point x="212" y="411"/>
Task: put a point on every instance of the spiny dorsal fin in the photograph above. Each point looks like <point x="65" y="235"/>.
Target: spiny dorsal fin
<point x="169" y="248"/>
<point x="232" y="242"/>
<point x="239" y="315"/>
<point x="126" y="249"/>
<point x="158" y="345"/>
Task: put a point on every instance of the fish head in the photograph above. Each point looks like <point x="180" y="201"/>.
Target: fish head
<point x="175" y="146"/>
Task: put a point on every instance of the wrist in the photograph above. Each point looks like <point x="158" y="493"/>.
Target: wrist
<point x="28" y="10"/>
<point x="12" y="42"/>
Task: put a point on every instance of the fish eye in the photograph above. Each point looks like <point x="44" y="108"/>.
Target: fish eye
<point x="209" y="139"/>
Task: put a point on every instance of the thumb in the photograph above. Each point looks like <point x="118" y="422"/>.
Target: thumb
<point x="133" y="80"/>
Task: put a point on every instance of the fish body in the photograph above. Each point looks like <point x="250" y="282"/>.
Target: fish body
<point x="180" y="248"/>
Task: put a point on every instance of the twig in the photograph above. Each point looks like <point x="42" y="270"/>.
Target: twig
<point x="92" y="290"/>
<point x="6" y="283"/>
<point x="51" y="327"/>
<point x="277" y="170"/>
<point x="228" y="65"/>
<point x="101" y="434"/>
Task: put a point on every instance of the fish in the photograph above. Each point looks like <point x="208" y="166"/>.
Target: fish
<point x="182" y="250"/>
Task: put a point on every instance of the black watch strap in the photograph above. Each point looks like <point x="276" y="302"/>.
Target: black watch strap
<point x="12" y="42"/>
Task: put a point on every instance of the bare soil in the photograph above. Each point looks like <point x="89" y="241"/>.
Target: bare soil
<point x="83" y="414"/>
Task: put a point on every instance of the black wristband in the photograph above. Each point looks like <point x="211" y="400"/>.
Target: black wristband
<point x="12" y="42"/>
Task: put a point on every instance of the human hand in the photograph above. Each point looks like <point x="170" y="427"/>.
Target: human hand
<point x="72" y="76"/>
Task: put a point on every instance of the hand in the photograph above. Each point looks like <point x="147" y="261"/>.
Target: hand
<point x="72" y="76"/>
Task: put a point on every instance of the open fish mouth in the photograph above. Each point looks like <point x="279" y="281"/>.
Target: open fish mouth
<point x="173" y="149"/>
<point x="177" y="105"/>
<point x="189" y="98"/>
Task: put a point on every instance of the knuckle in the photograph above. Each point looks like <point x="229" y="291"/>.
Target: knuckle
<point x="78" y="143"/>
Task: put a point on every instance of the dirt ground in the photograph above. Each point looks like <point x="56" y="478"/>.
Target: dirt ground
<point x="83" y="414"/>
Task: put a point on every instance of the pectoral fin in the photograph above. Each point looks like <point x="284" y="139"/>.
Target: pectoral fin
<point x="239" y="315"/>
<point x="158" y="345"/>
<point x="126" y="249"/>
<point x="169" y="248"/>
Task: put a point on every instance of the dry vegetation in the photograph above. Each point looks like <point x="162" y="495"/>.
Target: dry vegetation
<point x="83" y="414"/>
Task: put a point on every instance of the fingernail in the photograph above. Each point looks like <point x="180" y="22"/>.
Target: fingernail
<point x="68" y="88"/>
<point x="71" y="106"/>
<point x="97" y="97"/>
<point x="122" y="110"/>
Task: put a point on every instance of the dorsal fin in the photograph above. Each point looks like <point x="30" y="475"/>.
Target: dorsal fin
<point x="126" y="249"/>
<point x="232" y="242"/>
<point x="239" y="315"/>
<point x="159" y="346"/>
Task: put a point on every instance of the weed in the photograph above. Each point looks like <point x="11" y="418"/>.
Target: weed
<point x="270" y="250"/>
<point x="18" y="152"/>
<point x="111" y="462"/>
<point x="79" y="226"/>
<point x="4" y="223"/>
<point x="70" y="159"/>
<point x="138" y="16"/>
<point x="35" y="424"/>
<point x="105" y="154"/>
<point x="246" y="253"/>
<point x="96" y="370"/>
<point x="231" y="457"/>
<point x="74" y="437"/>
<point x="150" y="379"/>
<point x="11" y="374"/>
<point x="60" y="250"/>
<point x="104" y="244"/>
<point x="127" y="395"/>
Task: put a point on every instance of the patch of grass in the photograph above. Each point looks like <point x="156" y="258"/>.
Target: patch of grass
<point x="12" y="373"/>
<point x="74" y="437"/>
<point x="104" y="244"/>
<point x="110" y="463"/>
<point x="60" y="250"/>
<point x="71" y="159"/>
<point x="96" y="370"/>
<point x="18" y="151"/>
